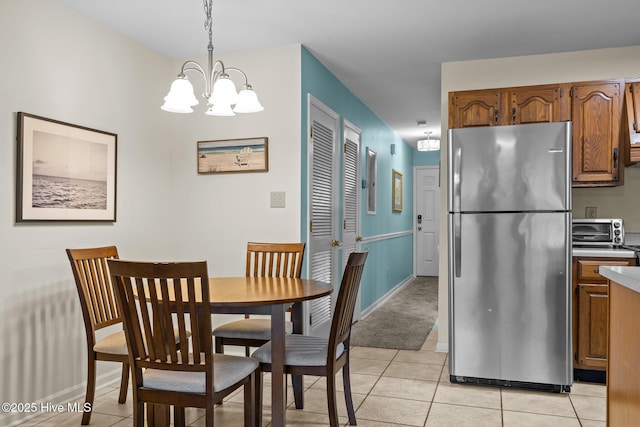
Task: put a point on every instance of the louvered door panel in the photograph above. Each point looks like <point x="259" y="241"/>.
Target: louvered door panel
<point x="322" y="226"/>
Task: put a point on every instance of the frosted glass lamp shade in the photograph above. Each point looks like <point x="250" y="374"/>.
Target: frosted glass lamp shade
<point x="224" y="91"/>
<point x="248" y="102"/>
<point x="180" y="98"/>
<point x="220" y="110"/>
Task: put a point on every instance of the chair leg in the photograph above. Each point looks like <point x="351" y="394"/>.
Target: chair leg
<point x="331" y="400"/>
<point x="91" y="387"/>
<point x="138" y="415"/>
<point x="257" y="398"/>
<point x="208" y="417"/>
<point x="247" y="351"/>
<point x="178" y="416"/>
<point x="124" y="383"/>
<point x="249" y="404"/>
<point x="298" y="390"/>
<point x="346" y="380"/>
<point x="219" y="346"/>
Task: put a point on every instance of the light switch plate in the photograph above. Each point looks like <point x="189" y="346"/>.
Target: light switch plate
<point x="278" y="199"/>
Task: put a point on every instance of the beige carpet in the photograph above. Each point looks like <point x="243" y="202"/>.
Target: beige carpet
<point x="404" y="321"/>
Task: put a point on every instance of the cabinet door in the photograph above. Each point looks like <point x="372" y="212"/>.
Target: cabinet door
<point x="539" y="104"/>
<point x="591" y="351"/>
<point x="632" y="97"/>
<point x="475" y="108"/>
<point x="596" y="114"/>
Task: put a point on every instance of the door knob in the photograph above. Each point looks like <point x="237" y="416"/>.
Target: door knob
<point x="359" y="239"/>
<point x="419" y="228"/>
<point x="335" y="243"/>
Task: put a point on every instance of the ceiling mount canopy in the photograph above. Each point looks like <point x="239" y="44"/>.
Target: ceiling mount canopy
<point x="220" y="91"/>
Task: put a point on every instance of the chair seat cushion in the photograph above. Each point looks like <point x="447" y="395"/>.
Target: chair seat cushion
<point x="300" y="350"/>
<point x="116" y="343"/>
<point x="227" y="370"/>
<point x="257" y="329"/>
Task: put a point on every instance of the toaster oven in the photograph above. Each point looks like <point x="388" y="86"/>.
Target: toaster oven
<point x="598" y="232"/>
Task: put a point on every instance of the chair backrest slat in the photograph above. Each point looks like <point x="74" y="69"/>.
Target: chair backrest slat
<point x="345" y="304"/>
<point x="275" y="259"/>
<point x="159" y="303"/>
<point x="93" y="283"/>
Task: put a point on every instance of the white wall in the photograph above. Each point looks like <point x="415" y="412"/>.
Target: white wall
<point x="59" y="64"/>
<point x="533" y="70"/>
<point x="221" y="212"/>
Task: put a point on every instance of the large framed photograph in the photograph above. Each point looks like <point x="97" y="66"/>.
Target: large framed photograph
<point x="396" y="191"/>
<point x="65" y="172"/>
<point x="233" y="155"/>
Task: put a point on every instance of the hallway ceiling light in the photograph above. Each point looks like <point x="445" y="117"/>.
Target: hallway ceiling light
<point x="220" y="92"/>
<point x="428" y="144"/>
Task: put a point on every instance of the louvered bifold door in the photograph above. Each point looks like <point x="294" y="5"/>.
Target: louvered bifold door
<point x="322" y="221"/>
<point x="350" y="196"/>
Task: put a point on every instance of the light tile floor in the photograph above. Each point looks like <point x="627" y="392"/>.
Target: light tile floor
<point x="391" y="388"/>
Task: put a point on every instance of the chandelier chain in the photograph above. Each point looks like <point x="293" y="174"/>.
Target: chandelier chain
<point x="208" y="23"/>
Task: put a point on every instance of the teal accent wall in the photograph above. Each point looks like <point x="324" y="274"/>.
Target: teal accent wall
<point x="390" y="260"/>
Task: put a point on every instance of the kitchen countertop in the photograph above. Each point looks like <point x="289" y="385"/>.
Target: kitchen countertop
<point x="626" y="276"/>
<point x="603" y="252"/>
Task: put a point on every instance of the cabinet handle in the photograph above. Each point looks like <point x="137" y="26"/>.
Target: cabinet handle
<point x="596" y="270"/>
<point x="615" y="157"/>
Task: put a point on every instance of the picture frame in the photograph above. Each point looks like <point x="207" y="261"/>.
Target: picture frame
<point x="65" y="172"/>
<point x="396" y="191"/>
<point x="233" y="155"/>
<point x="372" y="171"/>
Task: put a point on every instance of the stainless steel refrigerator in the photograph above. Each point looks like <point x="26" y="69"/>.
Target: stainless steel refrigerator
<point x="509" y="222"/>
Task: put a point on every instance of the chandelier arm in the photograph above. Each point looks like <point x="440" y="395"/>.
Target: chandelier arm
<point x="194" y="66"/>
<point x="246" y="79"/>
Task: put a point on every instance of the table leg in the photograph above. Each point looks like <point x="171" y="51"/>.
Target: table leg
<point x="298" y="380"/>
<point x="278" y="383"/>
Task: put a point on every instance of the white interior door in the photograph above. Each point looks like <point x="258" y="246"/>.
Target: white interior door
<point x="351" y="196"/>
<point x="323" y="220"/>
<point x="426" y="219"/>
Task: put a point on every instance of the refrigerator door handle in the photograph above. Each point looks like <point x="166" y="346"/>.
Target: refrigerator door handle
<point x="457" y="244"/>
<point x="457" y="179"/>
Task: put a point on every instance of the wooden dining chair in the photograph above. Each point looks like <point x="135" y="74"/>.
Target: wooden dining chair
<point x="309" y="355"/>
<point x="154" y="299"/>
<point x="263" y="260"/>
<point x="99" y="310"/>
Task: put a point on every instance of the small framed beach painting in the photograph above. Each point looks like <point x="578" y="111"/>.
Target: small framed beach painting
<point x="233" y="155"/>
<point x="396" y="191"/>
<point x="65" y="172"/>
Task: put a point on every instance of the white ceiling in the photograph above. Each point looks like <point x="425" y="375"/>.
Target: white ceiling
<point x="387" y="53"/>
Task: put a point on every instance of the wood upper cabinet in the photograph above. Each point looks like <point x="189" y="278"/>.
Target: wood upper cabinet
<point x="590" y="311"/>
<point x="476" y="108"/>
<point x="632" y="107"/>
<point x="539" y="104"/>
<point x="509" y="106"/>
<point x="596" y="112"/>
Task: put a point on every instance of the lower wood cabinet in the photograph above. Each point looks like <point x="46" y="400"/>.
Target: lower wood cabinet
<point x="591" y="310"/>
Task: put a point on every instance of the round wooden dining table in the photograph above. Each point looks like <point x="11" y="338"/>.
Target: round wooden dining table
<point x="272" y="296"/>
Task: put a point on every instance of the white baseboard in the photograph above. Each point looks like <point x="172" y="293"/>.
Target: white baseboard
<point x="373" y="307"/>
<point x="71" y="394"/>
<point x="442" y="347"/>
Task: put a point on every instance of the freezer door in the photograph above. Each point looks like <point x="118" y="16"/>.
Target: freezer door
<point x="509" y="296"/>
<point x="510" y="168"/>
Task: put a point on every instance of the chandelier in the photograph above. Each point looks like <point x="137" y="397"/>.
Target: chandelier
<point x="219" y="90"/>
